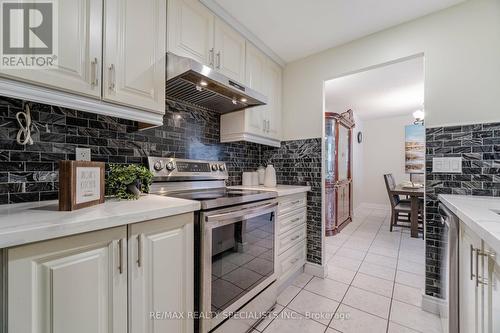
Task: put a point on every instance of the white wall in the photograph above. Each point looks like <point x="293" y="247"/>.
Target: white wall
<point x="384" y="152"/>
<point x="462" y="68"/>
<point x="358" y="164"/>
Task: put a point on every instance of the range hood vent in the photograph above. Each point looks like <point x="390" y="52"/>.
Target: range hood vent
<point x="195" y="84"/>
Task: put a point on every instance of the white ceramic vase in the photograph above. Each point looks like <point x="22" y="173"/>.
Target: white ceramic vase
<point x="270" y="176"/>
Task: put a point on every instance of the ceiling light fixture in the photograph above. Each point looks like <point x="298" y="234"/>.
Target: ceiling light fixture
<point x="419" y="116"/>
<point x="243" y="100"/>
<point x="203" y="83"/>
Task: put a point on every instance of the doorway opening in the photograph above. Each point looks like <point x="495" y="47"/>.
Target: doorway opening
<point x="373" y="127"/>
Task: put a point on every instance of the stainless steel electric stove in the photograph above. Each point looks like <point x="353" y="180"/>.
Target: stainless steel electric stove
<point x="235" y="243"/>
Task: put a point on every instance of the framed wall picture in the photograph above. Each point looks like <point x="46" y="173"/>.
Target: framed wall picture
<point x="81" y="184"/>
<point x="415" y="149"/>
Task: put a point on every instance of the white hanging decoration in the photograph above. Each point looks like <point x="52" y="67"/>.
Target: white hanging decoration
<point x="24" y="119"/>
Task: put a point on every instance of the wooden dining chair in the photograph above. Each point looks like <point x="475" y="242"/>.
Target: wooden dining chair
<point x="400" y="209"/>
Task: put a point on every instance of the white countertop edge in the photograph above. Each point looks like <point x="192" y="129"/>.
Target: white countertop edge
<point x="281" y="190"/>
<point x="33" y="231"/>
<point x="490" y="237"/>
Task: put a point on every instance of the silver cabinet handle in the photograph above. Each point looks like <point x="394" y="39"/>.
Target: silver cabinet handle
<point x="139" y="250"/>
<point x="120" y="256"/>
<point x="487" y="254"/>
<point x="112" y="77"/>
<point x="471" y="262"/>
<point x="295" y="238"/>
<point x="211" y="57"/>
<point x="477" y="267"/>
<point x="217" y="62"/>
<point x="95" y="79"/>
<point x="295" y="219"/>
<point x="294" y="261"/>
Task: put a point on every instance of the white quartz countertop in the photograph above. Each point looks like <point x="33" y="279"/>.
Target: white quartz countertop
<point x="480" y="214"/>
<point x="282" y="190"/>
<point x="30" y="222"/>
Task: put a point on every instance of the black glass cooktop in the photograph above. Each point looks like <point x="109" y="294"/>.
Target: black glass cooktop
<point x="222" y="197"/>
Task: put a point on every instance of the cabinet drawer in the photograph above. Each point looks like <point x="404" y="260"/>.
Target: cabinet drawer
<point x="291" y="260"/>
<point x="291" y="202"/>
<point x="291" y="238"/>
<point x="291" y="220"/>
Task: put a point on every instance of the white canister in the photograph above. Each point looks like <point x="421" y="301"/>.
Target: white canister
<point x="262" y="174"/>
<point x="270" y="178"/>
<point x="255" y="178"/>
<point x="246" y="179"/>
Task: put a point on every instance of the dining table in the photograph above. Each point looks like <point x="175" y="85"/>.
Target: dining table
<point x="416" y="194"/>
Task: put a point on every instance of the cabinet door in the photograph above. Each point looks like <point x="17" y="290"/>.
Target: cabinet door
<point x="190" y="30"/>
<point x="76" y="284"/>
<point x="161" y="274"/>
<point x="254" y="78"/>
<point x="470" y="299"/>
<point x="273" y="91"/>
<point x="492" y="292"/>
<point x="229" y="51"/>
<point x="79" y="51"/>
<point x="134" y="53"/>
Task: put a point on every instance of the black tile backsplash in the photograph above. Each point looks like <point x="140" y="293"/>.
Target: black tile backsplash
<point x="30" y="173"/>
<point x="298" y="162"/>
<point x="477" y="145"/>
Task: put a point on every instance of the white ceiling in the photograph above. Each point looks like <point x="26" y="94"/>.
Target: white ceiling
<point x="392" y="90"/>
<point x="294" y="29"/>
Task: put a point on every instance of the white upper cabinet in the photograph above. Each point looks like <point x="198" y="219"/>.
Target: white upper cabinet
<point x="195" y="32"/>
<point x="273" y="91"/>
<point x="79" y="51"/>
<point x="229" y="51"/>
<point x="190" y="30"/>
<point x="134" y="53"/>
<point x="260" y="124"/>
<point x="254" y="78"/>
<point x="76" y="284"/>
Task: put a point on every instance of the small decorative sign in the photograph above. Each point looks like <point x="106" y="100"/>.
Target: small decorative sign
<point x="81" y="184"/>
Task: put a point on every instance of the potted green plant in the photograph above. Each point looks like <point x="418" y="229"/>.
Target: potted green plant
<point x="128" y="181"/>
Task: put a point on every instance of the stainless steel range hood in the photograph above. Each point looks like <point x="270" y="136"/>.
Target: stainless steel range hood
<point x="193" y="83"/>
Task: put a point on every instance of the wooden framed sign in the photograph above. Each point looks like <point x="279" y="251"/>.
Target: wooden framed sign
<point x="81" y="184"/>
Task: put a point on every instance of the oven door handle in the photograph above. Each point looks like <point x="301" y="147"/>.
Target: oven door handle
<point x="244" y="213"/>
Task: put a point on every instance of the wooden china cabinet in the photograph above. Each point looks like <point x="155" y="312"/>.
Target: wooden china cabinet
<point x="338" y="175"/>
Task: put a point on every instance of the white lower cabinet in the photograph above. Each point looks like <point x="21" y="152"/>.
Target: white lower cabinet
<point x="75" y="284"/>
<point x="291" y="232"/>
<point x="124" y="279"/>
<point x="492" y="291"/>
<point x="161" y="274"/>
<point x="479" y="291"/>
<point x="469" y="296"/>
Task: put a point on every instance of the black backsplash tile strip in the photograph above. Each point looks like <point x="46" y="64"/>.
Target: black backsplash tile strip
<point x="476" y="144"/>
<point x="298" y="162"/>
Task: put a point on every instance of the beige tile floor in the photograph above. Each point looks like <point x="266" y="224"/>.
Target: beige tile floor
<point x="375" y="283"/>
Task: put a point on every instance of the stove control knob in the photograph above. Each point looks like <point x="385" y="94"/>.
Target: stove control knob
<point x="158" y="166"/>
<point x="214" y="167"/>
<point x="170" y="166"/>
<point x="222" y="167"/>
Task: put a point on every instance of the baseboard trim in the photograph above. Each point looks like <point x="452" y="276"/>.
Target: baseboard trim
<point x="316" y="270"/>
<point x="431" y="304"/>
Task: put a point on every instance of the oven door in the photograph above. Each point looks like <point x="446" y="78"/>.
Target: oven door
<point x="238" y="258"/>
